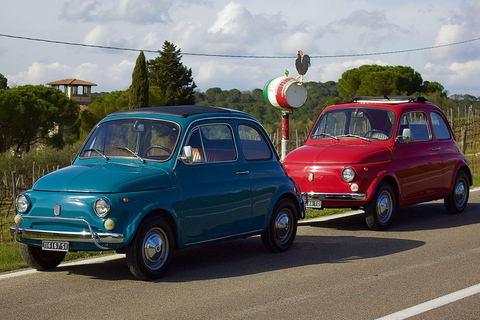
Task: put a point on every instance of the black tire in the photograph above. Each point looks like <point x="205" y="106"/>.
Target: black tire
<point x="151" y="251"/>
<point x="39" y="259"/>
<point x="457" y="201"/>
<point x="380" y="211"/>
<point x="282" y="228"/>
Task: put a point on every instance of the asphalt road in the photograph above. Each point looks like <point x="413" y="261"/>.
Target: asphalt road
<point x="336" y="269"/>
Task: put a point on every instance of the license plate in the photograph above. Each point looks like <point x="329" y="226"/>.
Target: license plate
<point x="55" y="245"/>
<point x="314" y="203"/>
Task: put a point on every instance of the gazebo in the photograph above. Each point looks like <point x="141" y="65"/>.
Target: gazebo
<point x="75" y="89"/>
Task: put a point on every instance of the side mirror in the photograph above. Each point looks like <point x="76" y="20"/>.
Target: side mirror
<point x="187" y="156"/>
<point x="407" y="135"/>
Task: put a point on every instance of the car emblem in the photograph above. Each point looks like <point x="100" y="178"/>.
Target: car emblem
<point x="56" y="210"/>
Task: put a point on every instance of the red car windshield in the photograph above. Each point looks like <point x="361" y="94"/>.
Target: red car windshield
<point x="370" y="123"/>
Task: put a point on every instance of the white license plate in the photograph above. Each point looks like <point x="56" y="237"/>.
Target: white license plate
<point x="314" y="204"/>
<point x="55" y="245"/>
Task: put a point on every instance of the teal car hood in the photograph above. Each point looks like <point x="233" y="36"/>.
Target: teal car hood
<point x="104" y="178"/>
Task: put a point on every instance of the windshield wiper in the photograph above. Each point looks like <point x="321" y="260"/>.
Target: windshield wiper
<point x="127" y="149"/>
<point x="323" y="134"/>
<point x="97" y="151"/>
<point x="349" y="135"/>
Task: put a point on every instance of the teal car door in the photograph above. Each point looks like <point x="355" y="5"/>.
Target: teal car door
<point x="215" y="187"/>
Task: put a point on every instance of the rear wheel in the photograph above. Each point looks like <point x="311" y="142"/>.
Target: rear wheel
<point x="151" y="251"/>
<point x="380" y="211"/>
<point x="40" y="259"/>
<point x="457" y="201"/>
<point x="282" y="228"/>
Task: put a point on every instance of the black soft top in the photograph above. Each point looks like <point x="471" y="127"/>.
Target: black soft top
<point x="176" y="111"/>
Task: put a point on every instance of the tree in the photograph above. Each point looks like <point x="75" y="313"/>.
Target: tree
<point x="3" y="82"/>
<point x="374" y="80"/>
<point x="171" y="76"/>
<point x="31" y="114"/>
<point x="139" y="89"/>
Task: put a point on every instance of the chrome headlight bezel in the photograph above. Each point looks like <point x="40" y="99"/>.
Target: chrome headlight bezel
<point x="102" y="207"/>
<point x="22" y="203"/>
<point x="348" y="174"/>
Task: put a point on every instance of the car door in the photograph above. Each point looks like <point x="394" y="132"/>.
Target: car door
<point x="215" y="187"/>
<point x="420" y="161"/>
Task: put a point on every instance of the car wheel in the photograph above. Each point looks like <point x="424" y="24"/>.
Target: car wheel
<point x="282" y="228"/>
<point x="151" y="251"/>
<point x="380" y="211"/>
<point x="457" y="201"/>
<point x="40" y="259"/>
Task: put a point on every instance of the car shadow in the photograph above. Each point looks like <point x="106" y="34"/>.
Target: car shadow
<point x="238" y="258"/>
<point x="425" y="216"/>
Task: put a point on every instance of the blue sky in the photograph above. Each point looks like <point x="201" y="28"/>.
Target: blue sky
<point x="261" y="28"/>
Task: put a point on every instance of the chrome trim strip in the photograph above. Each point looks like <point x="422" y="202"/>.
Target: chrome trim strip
<point x="246" y="234"/>
<point x="336" y="196"/>
<point x="91" y="237"/>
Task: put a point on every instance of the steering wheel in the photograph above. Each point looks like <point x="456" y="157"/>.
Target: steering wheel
<point x="156" y="146"/>
<point x="371" y="132"/>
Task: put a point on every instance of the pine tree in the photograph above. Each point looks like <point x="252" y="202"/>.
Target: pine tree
<point x="174" y="79"/>
<point x="138" y="96"/>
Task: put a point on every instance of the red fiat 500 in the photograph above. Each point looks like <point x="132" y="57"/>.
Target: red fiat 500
<point x="378" y="154"/>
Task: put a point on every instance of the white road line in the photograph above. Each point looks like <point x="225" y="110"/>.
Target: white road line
<point x="432" y="304"/>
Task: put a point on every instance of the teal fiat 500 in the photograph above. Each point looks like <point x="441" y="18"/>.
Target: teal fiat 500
<point x="149" y="181"/>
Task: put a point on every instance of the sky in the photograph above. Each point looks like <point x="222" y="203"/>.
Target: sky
<point x="262" y="36"/>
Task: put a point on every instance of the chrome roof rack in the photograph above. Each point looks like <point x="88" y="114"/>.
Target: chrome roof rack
<point x="388" y="99"/>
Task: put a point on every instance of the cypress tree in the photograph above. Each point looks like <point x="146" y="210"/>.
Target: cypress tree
<point x="138" y="96"/>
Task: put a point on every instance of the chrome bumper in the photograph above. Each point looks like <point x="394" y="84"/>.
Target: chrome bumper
<point x="333" y="196"/>
<point x="97" y="238"/>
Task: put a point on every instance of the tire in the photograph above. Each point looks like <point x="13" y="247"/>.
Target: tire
<point x="457" y="201"/>
<point x="282" y="227"/>
<point x="39" y="259"/>
<point x="380" y="211"/>
<point x="151" y="251"/>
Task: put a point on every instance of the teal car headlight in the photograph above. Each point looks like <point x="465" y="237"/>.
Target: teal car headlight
<point x="102" y="207"/>
<point x="348" y="174"/>
<point x="22" y="203"/>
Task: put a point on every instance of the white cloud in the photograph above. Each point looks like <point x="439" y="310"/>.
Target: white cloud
<point x="456" y="75"/>
<point x="40" y="73"/>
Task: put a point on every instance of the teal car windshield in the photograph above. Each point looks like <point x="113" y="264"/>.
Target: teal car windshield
<point x="143" y="139"/>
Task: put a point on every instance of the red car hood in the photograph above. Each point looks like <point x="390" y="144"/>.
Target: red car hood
<point x="339" y="153"/>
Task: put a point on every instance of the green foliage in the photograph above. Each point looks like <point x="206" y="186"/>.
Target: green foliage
<point x="139" y="88"/>
<point x="173" y="79"/>
<point x="3" y="82"/>
<point x="375" y="80"/>
<point x="30" y="114"/>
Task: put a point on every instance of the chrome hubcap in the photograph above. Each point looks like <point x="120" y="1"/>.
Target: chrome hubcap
<point x="282" y="227"/>
<point x="155" y="248"/>
<point x="460" y="194"/>
<point x="384" y="207"/>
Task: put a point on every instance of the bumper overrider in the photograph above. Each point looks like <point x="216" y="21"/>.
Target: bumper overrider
<point x="99" y="239"/>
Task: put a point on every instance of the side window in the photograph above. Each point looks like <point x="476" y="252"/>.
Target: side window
<point x="418" y="125"/>
<point x="253" y="143"/>
<point x="212" y="143"/>
<point x="440" y="128"/>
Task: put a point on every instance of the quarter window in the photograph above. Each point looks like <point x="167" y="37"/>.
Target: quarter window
<point x="440" y="128"/>
<point x="254" y="146"/>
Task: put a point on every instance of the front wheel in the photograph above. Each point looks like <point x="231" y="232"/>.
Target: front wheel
<point x="39" y="259"/>
<point x="380" y="211"/>
<point x="457" y="201"/>
<point x="151" y="251"/>
<point x="282" y="228"/>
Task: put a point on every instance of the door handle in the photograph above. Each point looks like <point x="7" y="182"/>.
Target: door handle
<point x="242" y="172"/>
<point x="436" y="149"/>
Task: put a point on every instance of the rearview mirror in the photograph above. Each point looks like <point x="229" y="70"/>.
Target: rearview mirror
<point x="407" y="135"/>
<point x="187" y="156"/>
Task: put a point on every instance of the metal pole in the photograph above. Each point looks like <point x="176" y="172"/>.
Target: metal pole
<point x="285" y="133"/>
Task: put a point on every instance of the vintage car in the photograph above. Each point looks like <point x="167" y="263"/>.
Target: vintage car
<point x="151" y="180"/>
<point x="379" y="154"/>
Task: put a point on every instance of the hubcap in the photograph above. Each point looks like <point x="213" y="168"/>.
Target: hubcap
<point x="155" y="249"/>
<point x="460" y="194"/>
<point x="384" y="207"/>
<point x="282" y="227"/>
